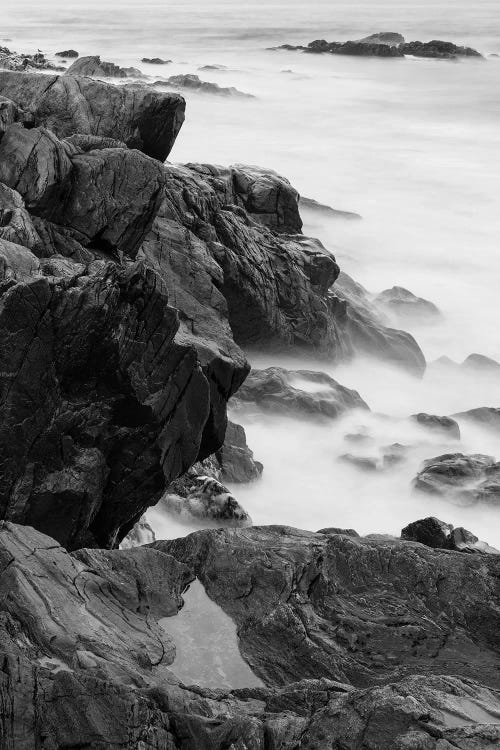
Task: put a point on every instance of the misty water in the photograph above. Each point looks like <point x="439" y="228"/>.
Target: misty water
<point x="411" y="145"/>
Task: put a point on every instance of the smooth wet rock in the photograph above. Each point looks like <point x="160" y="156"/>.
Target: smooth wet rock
<point x="402" y="303"/>
<point x="467" y="479"/>
<point x="198" y="496"/>
<point x="143" y="119"/>
<point x="285" y="392"/>
<point x="94" y="66"/>
<point x="365" y="463"/>
<point x="445" y="425"/>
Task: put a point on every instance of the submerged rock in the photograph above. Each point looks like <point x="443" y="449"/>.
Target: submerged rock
<point x="481" y="364"/>
<point x="466" y="479"/>
<point x="366" y="463"/>
<point x="446" y="425"/>
<point x="67" y="105"/>
<point x="313" y="205"/>
<point x="486" y="416"/>
<point x="194" y="82"/>
<point x="94" y="66"/>
<point x="404" y="304"/>
<point x="285" y="392"/>
<point x="69" y="53"/>
<point x="440" y="535"/>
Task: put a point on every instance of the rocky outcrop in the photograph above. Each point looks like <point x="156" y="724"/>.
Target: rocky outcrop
<point x="445" y="425"/>
<point x="25" y="63"/>
<point x="386" y="44"/>
<point x="69" y="53"/>
<point x="193" y="82"/>
<point x="383" y="37"/>
<point x="141" y="118"/>
<point x="285" y="392"/>
<point x="235" y="458"/>
<point x="88" y="659"/>
<point x="466" y="479"/>
<point x="94" y="66"/>
<point x="440" y="535"/>
<point x="364" y="611"/>
<point x="155" y="61"/>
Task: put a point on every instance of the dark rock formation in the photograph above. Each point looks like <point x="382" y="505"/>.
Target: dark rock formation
<point x="313" y="205"/>
<point x="336" y="530"/>
<point x="404" y="304"/>
<point x="94" y="66"/>
<point x="235" y="457"/>
<point x="437" y="48"/>
<point x="364" y="611"/>
<point x="155" y="61"/>
<point x="486" y="416"/>
<point x="69" y="53"/>
<point x="193" y="82"/>
<point x="440" y="535"/>
<point x="445" y="425"/>
<point x="198" y="496"/>
<point x="88" y="660"/>
<point x="360" y="48"/>
<point x="273" y="390"/>
<point x="146" y="120"/>
<point x="466" y="479"/>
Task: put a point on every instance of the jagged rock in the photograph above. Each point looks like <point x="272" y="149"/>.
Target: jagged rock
<point x="368" y="332"/>
<point x="446" y="425"/>
<point x="344" y="608"/>
<point x="108" y="198"/>
<point x="19" y="62"/>
<point x="465" y="478"/>
<point x="404" y="304"/>
<point x="481" y="364"/>
<point x="437" y="48"/>
<point x="313" y="205"/>
<point x="146" y="120"/>
<point x="94" y="66"/>
<point x="486" y="416"/>
<point x="141" y="534"/>
<point x="69" y="53"/>
<point x="204" y="497"/>
<point x="440" y="535"/>
<point x="273" y="390"/>
<point x="155" y="61"/>
<point x="235" y="457"/>
<point x="383" y="37"/>
<point x="194" y="82"/>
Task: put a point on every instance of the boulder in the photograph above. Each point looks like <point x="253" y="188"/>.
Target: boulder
<point x="94" y="66"/>
<point x="141" y="118"/>
<point x="69" y="53"/>
<point x="198" y="496"/>
<point x="402" y="303"/>
<point x="481" y="364"/>
<point x="273" y="390"/>
<point x="445" y="425"/>
<point x="467" y="479"/>
<point x="440" y="535"/>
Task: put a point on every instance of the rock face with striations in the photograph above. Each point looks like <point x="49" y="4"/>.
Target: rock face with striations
<point x="88" y="659"/>
<point x="141" y="118"/>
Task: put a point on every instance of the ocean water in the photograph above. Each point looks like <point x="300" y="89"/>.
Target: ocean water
<point x="412" y="145"/>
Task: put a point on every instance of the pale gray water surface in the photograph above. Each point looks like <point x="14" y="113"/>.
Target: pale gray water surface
<point x="207" y="644"/>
